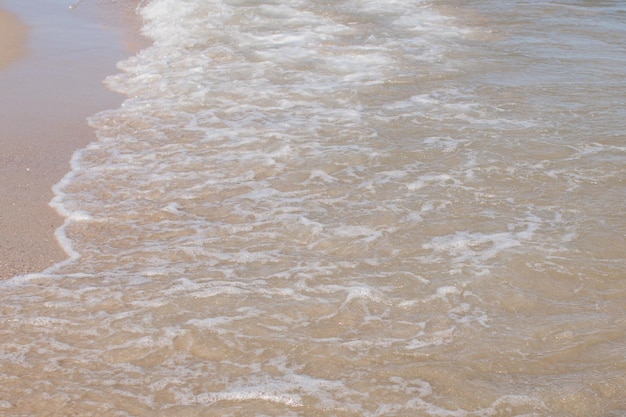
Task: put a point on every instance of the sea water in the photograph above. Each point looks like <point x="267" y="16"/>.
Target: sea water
<point x="350" y="208"/>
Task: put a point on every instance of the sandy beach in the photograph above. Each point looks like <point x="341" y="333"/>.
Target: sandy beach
<point x="53" y="59"/>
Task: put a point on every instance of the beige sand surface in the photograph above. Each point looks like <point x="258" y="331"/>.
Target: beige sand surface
<point x="13" y="38"/>
<point x="47" y="94"/>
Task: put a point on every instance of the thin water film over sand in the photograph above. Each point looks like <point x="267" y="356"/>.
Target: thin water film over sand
<point x="342" y="209"/>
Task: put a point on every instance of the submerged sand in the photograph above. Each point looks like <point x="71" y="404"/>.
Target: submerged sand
<point x="51" y="81"/>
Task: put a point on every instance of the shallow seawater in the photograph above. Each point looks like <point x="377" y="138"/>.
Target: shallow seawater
<point x="354" y="208"/>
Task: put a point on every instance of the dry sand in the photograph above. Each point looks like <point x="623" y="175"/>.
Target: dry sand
<point x="52" y="64"/>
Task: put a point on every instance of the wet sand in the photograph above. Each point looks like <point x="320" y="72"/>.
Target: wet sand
<point x="52" y="64"/>
<point x="13" y="39"/>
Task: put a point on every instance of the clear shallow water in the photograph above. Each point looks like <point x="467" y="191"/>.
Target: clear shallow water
<point x="348" y="209"/>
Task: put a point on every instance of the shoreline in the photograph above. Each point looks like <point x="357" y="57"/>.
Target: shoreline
<point x="50" y="87"/>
